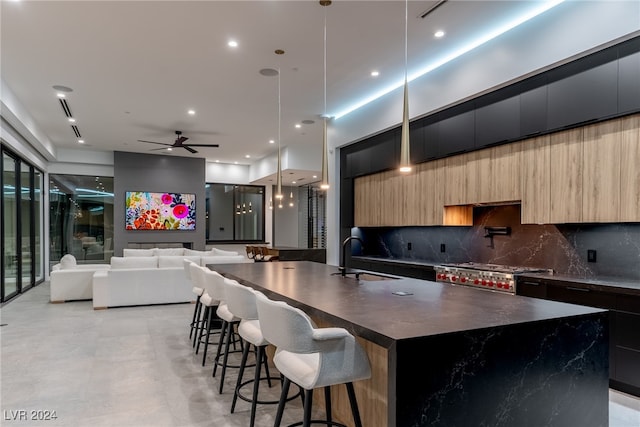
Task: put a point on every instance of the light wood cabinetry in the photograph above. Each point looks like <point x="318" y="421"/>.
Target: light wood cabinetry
<point x="601" y="146"/>
<point x="566" y="176"/>
<point x="536" y="180"/>
<point x="589" y="174"/>
<point x="630" y="169"/>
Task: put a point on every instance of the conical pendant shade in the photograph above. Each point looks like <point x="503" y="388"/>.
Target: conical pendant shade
<point x="324" y="184"/>
<point x="405" y="157"/>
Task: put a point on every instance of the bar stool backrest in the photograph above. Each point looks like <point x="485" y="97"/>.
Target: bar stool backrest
<point x="241" y="300"/>
<point x="214" y="284"/>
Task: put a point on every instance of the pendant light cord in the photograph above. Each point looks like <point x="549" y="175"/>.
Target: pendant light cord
<point x="406" y="36"/>
<point x="325" y="63"/>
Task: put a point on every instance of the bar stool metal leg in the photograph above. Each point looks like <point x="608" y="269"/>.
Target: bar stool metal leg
<point x="327" y="402"/>
<point x="308" y="403"/>
<point x="283" y="400"/>
<point x="354" y="405"/>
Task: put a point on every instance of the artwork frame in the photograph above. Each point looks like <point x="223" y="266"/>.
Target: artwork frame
<point x="160" y="211"/>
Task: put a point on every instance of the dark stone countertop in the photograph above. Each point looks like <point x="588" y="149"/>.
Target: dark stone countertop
<point x="404" y="261"/>
<point x="371" y="310"/>
<point x="607" y="284"/>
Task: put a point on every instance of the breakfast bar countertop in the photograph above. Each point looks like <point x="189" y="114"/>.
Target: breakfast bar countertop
<point x="373" y="310"/>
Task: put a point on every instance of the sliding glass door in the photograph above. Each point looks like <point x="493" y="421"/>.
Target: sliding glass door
<point x="10" y="196"/>
<point x="21" y="232"/>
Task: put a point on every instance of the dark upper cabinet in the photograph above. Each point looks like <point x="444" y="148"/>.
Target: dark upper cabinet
<point x="629" y="83"/>
<point x="498" y="122"/>
<point x="533" y="107"/>
<point x="416" y="138"/>
<point x="358" y="162"/>
<point x="384" y="152"/>
<point x="456" y="134"/>
<point x="587" y="95"/>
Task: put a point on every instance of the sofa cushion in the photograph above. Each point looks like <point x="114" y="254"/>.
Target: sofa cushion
<point x="137" y="252"/>
<point x="217" y="251"/>
<point x="191" y="252"/>
<point x="168" y="251"/>
<point x="118" y="263"/>
<point x="167" y="261"/>
<point x="67" y="262"/>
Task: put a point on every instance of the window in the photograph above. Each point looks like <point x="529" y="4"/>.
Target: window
<point x="81" y="217"/>
<point x="235" y="213"/>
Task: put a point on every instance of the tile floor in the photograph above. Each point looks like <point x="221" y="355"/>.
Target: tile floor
<point x="130" y="367"/>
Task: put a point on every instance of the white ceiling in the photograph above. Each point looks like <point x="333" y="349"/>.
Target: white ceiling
<point x="137" y="67"/>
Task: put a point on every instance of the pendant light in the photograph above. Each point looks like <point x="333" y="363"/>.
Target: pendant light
<point x="324" y="184"/>
<point x="405" y="158"/>
<point x="279" y="194"/>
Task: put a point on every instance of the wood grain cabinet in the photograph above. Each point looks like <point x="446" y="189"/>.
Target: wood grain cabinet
<point x="630" y="169"/>
<point x="536" y="180"/>
<point x="566" y="166"/>
<point x="602" y="151"/>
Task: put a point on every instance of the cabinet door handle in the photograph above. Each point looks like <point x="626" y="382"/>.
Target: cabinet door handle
<point x="571" y="288"/>
<point x="531" y="283"/>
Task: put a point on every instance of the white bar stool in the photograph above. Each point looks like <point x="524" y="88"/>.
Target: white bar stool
<point x="311" y="357"/>
<point x="198" y="291"/>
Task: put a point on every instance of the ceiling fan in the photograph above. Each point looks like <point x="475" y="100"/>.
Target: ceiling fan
<point x="179" y="143"/>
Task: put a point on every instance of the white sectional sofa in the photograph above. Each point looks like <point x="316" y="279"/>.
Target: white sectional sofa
<point x="152" y="276"/>
<point x="71" y="281"/>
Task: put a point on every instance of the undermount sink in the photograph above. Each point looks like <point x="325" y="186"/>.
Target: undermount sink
<point x="369" y="277"/>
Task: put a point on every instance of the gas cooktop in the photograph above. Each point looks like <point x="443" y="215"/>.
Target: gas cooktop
<point x="493" y="277"/>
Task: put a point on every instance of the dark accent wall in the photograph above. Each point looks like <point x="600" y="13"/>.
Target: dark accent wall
<point x="148" y="172"/>
<point x="562" y="248"/>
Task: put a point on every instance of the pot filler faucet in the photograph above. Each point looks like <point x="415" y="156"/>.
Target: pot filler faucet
<point x="343" y="267"/>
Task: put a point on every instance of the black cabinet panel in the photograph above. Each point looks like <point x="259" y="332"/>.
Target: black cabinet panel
<point x="346" y="203"/>
<point x="497" y="122"/>
<point x="431" y="141"/>
<point x="627" y="363"/>
<point x="531" y="288"/>
<point x="359" y="163"/>
<point x="589" y="95"/>
<point x="384" y="152"/>
<point x="533" y="111"/>
<point x="456" y="134"/>
<point x="416" y="138"/>
<point x="629" y="83"/>
<point x="628" y="303"/>
<point x="627" y="330"/>
<point x="581" y="295"/>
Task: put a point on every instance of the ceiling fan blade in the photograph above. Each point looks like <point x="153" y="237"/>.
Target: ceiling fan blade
<point x="153" y="142"/>
<point x="201" y="145"/>
<point x="159" y="149"/>
<point x="186" y="147"/>
<point x="180" y="140"/>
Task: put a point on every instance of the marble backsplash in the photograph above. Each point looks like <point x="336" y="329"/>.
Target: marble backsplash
<point x="562" y="248"/>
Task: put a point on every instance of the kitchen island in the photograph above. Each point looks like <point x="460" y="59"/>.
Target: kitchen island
<point x="443" y="355"/>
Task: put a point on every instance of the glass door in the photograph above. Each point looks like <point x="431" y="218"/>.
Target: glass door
<point x="25" y="212"/>
<point x="10" y="248"/>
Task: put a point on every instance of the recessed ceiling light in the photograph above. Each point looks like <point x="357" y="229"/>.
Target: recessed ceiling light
<point x="271" y="141"/>
<point x="72" y="120"/>
<point x="217" y="161"/>
<point x="191" y="112"/>
<point x="308" y="122"/>
<point x="247" y="156"/>
<point x="439" y="34"/>
<point x="81" y="141"/>
<point x="293" y="182"/>
<point x="375" y="73"/>
<point x="315" y="176"/>
<point x="298" y="125"/>
<point x="61" y="95"/>
<point x="235" y="163"/>
<point x="169" y="149"/>
<point x="232" y="43"/>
